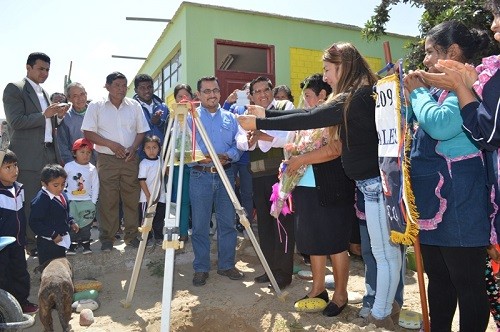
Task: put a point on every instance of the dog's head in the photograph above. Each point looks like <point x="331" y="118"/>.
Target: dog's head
<point x="55" y="266"/>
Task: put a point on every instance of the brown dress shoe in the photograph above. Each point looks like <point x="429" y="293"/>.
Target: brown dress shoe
<point x="385" y="323"/>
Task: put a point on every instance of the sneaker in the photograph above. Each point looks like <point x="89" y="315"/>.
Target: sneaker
<point x="33" y="252"/>
<point x="233" y="273"/>
<point x="106" y="246"/>
<point x="86" y="248"/>
<point x="72" y="249"/>
<point x="29" y="308"/>
<point x="134" y="243"/>
<point x="200" y="278"/>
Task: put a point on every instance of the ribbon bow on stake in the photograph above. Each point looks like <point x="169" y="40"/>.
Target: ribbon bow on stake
<point x="192" y="110"/>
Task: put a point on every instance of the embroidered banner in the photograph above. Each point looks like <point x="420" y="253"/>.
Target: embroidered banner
<point x="394" y="144"/>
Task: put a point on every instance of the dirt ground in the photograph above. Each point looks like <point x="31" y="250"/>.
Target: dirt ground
<point x="220" y="305"/>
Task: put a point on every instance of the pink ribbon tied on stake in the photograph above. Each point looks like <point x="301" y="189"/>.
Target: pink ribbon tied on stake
<point x="192" y="109"/>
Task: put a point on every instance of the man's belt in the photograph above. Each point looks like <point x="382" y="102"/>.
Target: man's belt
<point x="210" y="169"/>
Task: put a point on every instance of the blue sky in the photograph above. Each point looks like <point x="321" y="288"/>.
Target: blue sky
<point x="89" y="32"/>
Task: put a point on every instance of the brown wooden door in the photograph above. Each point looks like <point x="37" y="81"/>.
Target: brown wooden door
<point x="237" y="63"/>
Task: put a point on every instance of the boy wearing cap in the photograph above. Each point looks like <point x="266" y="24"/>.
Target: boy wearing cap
<point x="82" y="190"/>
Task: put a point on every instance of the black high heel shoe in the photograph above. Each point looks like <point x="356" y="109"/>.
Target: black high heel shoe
<point x="323" y="295"/>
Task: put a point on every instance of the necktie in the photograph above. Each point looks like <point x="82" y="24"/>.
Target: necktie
<point x="63" y="201"/>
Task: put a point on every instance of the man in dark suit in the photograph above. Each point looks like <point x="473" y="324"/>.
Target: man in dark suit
<point x="32" y="120"/>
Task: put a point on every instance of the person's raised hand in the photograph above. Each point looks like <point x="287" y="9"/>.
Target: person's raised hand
<point x="63" y="109"/>
<point x="256" y="110"/>
<point x="247" y="122"/>
<point x="445" y="80"/>
<point x="155" y="119"/>
<point x="231" y="99"/>
<point x="412" y="81"/>
<point x="52" y="110"/>
<point x="467" y="71"/>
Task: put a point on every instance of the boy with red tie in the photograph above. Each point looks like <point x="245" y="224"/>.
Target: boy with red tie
<point x="50" y="219"/>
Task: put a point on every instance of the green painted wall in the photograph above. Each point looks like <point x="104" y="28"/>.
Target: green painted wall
<point x="195" y="27"/>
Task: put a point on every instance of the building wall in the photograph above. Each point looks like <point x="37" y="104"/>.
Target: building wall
<point x="305" y="62"/>
<point x="298" y="43"/>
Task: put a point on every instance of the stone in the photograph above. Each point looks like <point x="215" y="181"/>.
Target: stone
<point x="86" y="317"/>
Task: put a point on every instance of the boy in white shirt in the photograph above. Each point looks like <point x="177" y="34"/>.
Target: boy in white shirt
<point x="82" y="190"/>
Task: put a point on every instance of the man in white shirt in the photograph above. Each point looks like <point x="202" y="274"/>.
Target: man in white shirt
<point x="116" y="125"/>
<point x="32" y="121"/>
<point x="266" y="154"/>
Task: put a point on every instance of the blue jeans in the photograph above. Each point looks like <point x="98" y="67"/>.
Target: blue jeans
<point x="246" y="192"/>
<point x="371" y="269"/>
<point x="387" y="255"/>
<point x="206" y="190"/>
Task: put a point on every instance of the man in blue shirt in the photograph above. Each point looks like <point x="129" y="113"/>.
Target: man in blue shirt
<point x="154" y="109"/>
<point x="206" y="189"/>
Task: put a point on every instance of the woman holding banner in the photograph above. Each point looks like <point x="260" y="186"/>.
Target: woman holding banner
<point x="478" y="92"/>
<point x="449" y="183"/>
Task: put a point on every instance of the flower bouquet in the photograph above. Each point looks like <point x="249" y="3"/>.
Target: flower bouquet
<point x="299" y="142"/>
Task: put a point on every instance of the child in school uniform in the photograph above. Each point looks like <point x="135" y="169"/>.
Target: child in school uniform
<point x="14" y="275"/>
<point x="50" y="219"/>
<point x="82" y="190"/>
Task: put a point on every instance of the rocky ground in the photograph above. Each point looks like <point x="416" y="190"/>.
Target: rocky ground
<point x="220" y="305"/>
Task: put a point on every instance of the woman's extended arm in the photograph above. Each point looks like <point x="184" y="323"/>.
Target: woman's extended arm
<point x="326" y="115"/>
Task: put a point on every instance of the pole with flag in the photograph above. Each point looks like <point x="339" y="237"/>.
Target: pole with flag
<point x="394" y="163"/>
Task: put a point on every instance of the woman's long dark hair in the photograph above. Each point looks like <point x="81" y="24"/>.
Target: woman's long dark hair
<point x="355" y="73"/>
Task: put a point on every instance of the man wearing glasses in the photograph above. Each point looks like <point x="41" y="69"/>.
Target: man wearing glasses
<point x="206" y="189"/>
<point x="266" y="154"/>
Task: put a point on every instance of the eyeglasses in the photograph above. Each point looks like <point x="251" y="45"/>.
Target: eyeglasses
<point x="256" y="92"/>
<point x="208" y="91"/>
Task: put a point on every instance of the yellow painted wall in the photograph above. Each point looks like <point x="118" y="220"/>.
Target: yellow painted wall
<point x="305" y="62"/>
<point x="169" y="99"/>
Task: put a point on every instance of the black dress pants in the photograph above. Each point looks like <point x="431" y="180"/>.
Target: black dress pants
<point x="277" y="243"/>
<point x="456" y="274"/>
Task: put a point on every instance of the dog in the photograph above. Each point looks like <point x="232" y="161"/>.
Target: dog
<point x="56" y="292"/>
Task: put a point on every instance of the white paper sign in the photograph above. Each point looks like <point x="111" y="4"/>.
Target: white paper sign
<point x="386" y="119"/>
